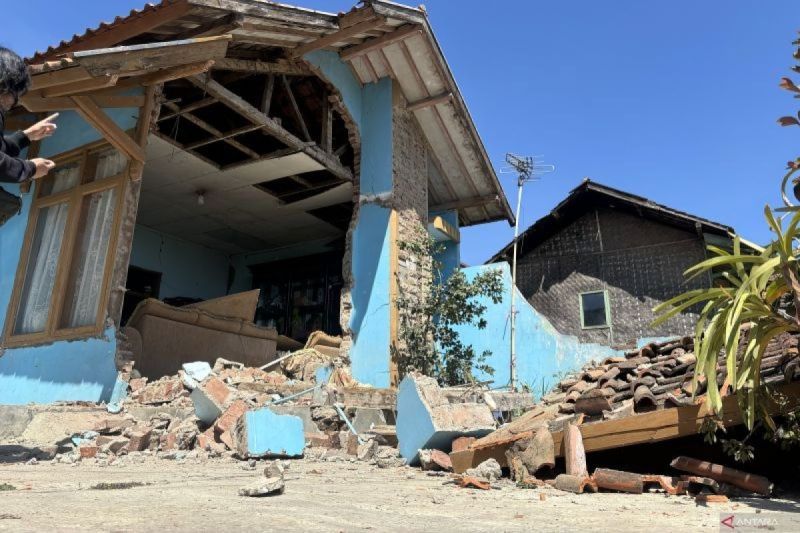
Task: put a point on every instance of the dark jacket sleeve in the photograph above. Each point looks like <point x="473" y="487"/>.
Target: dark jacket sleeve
<point x="14" y="169"/>
<point x="15" y="143"/>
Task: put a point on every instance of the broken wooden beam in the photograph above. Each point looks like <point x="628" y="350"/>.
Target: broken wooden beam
<point x="97" y="118"/>
<point x="752" y="482"/>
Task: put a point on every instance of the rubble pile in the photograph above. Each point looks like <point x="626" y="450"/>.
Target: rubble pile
<point x="658" y="376"/>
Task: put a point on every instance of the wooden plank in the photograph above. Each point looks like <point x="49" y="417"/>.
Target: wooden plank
<point x="219" y="26"/>
<point x="253" y="114"/>
<point x="92" y="84"/>
<point x="339" y="36"/>
<point x="35" y="103"/>
<point x="263" y="67"/>
<point x="189" y="108"/>
<point x="148" y="57"/>
<point x="170" y="74"/>
<point x="266" y="97"/>
<point x="218" y="135"/>
<point x="326" y="135"/>
<point x="644" y="428"/>
<point x="224" y="137"/>
<point x="465" y="203"/>
<point x="296" y="108"/>
<point x="399" y="34"/>
<point x="431" y="100"/>
<point x="122" y="31"/>
<point x="93" y="114"/>
<point x="58" y="77"/>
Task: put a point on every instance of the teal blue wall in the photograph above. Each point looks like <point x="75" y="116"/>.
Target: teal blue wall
<point x="370" y="106"/>
<point x="65" y="370"/>
<point x="543" y="354"/>
<point x="450" y="255"/>
<point x="187" y="269"/>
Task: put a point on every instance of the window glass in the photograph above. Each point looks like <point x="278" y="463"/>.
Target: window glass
<point x="88" y="267"/>
<point x="593" y="305"/>
<point x="40" y="275"/>
<point x="108" y="163"/>
<point x="61" y="179"/>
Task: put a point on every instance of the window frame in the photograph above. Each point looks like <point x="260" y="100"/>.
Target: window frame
<point x="606" y="304"/>
<point x="67" y="254"/>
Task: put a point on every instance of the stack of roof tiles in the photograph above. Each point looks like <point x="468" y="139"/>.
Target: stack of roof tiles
<point x="658" y="376"/>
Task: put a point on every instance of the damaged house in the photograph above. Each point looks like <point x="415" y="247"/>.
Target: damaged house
<point x="602" y="259"/>
<point x="208" y="148"/>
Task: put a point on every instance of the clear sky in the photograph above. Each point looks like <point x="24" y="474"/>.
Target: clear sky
<point x="673" y="100"/>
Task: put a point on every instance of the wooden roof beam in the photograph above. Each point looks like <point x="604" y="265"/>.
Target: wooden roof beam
<point x="244" y="108"/>
<point x="465" y="203"/>
<point x="115" y="135"/>
<point x="379" y="42"/>
<point x="339" y="36"/>
<point x="120" y="32"/>
<point x="58" y="77"/>
<point x="36" y="104"/>
<point x="218" y="135"/>
<point x="92" y="84"/>
<point x="430" y="101"/>
<point x="263" y="67"/>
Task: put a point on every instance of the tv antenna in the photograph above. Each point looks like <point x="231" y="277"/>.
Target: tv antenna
<point x="527" y="168"/>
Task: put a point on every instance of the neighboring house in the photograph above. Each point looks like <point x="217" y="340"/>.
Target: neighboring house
<point x="599" y="262"/>
<point x="205" y="148"/>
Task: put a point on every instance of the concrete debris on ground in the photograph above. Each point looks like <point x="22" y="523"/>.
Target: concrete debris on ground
<point x="271" y="484"/>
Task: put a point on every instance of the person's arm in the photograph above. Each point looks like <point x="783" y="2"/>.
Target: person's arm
<point x="14" y="169"/>
<point x="15" y="143"/>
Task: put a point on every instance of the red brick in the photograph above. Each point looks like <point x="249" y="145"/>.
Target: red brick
<point x="137" y="384"/>
<point x="216" y="391"/>
<point x="88" y="451"/>
<point x="161" y="391"/>
<point x="462" y="443"/>
<point x="208" y="441"/>
<point x="228" y="419"/>
<point x="139" y="440"/>
<point x="322" y="440"/>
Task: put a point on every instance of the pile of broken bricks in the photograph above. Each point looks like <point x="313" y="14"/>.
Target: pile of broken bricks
<point x="658" y="376"/>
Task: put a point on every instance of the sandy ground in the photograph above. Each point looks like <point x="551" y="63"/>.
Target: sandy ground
<point x="202" y="495"/>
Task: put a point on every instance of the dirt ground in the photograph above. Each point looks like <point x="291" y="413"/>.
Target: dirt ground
<point x="201" y="494"/>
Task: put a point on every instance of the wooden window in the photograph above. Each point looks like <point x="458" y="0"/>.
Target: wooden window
<point x="595" y="311"/>
<point x="62" y="283"/>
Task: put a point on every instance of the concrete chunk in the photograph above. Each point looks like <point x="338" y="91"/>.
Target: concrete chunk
<point x="426" y="420"/>
<point x="263" y="433"/>
<point x="209" y="400"/>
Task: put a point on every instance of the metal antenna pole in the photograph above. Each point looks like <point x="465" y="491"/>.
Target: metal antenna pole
<point x="527" y="169"/>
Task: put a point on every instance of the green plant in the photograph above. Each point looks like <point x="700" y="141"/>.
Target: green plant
<point x="756" y="298"/>
<point x="6" y="487"/>
<point x="427" y="338"/>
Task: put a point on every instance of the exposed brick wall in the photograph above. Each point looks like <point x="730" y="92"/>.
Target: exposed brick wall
<point x="410" y="200"/>
<point x="639" y="262"/>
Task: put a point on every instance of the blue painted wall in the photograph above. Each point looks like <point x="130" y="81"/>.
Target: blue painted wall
<point x="543" y="354"/>
<point x="187" y="269"/>
<point x="450" y="255"/>
<point x="370" y="106"/>
<point x="65" y="370"/>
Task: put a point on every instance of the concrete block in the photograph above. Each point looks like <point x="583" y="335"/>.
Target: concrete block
<point x="426" y="420"/>
<point x="303" y="412"/>
<point x="367" y="417"/>
<point x="209" y="399"/>
<point x="15" y="419"/>
<point x="198" y="370"/>
<point x="263" y="433"/>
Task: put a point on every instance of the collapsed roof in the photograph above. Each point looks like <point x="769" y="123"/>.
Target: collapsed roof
<point x="377" y="40"/>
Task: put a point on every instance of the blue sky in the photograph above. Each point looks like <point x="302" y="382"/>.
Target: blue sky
<point x="673" y="100"/>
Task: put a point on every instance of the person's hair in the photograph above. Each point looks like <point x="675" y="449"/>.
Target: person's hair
<point x="14" y="77"/>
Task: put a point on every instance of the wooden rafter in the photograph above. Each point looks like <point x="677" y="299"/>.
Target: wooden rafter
<point x="263" y="67"/>
<point x="226" y="24"/>
<point x="478" y="201"/>
<point x="281" y="152"/>
<point x="188" y="108"/>
<point x="339" y="36"/>
<point x="218" y="135"/>
<point x="266" y="98"/>
<point x="120" y="32"/>
<point x="35" y="103"/>
<point x="271" y="126"/>
<point x="326" y="135"/>
<point x="58" y="77"/>
<point x="379" y="42"/>
<point x="300" y="120"/>
<point x="430" y="101"/>
<point x="223" y="137"/>
<point x="92" y="84"/>
<point x="115" y="135"/>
